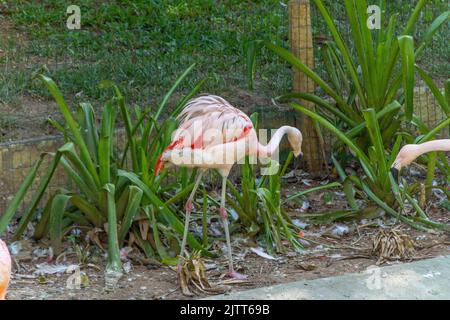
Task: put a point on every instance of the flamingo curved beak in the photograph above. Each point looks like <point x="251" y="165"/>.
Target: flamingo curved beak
<point x="395" y="173"/>
<point x="298" y="154"/>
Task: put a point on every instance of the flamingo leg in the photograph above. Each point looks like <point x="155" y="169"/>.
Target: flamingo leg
<point x="189" y="207"/>
<point x="223" y="214"/>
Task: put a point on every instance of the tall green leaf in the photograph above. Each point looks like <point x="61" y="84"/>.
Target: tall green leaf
<point x="406" y="45"/>
<point x="360" y="154"/>
<point x="58" y="209"/>
<point x="114" y="264"/>
<point x="74" y="127"/>
<point x="20" y="195"/>
<point x="134" y="201"/>
<point x="29" y="212"/>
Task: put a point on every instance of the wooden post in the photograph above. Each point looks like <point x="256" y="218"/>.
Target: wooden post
<point x="300" y="34"/>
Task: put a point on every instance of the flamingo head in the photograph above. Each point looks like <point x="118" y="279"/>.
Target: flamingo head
<point x="5" y="269"/>
<point x="406" y="155"/>
<point x="295" y="140"/>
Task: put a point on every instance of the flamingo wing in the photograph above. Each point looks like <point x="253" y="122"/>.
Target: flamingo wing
<point x="210" y="120"/>
<point x="207" y="121"/>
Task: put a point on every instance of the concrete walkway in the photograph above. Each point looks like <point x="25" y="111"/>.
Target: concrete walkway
<point x="425" y="279"/>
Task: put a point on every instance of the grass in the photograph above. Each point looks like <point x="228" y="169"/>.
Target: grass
<point x="143" y="45"/>
<point x="435" y="57"/>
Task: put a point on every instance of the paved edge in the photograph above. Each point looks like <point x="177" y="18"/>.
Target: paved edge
<point x="425" y="279"/>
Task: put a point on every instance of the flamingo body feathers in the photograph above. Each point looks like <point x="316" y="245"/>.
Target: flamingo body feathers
<point x="214" y="134"/>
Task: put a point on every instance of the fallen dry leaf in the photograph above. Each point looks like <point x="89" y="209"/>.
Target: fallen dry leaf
<point x="192" y="278"/>
<point x="391" y="244"/>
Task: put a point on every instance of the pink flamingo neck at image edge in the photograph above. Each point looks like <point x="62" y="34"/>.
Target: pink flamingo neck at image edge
<point x="5" y="269"/>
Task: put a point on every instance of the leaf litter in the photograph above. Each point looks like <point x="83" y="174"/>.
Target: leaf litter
<point x="352" y="248"/>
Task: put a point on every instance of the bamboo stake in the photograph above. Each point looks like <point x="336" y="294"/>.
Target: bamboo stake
<point x="300" y="34"/>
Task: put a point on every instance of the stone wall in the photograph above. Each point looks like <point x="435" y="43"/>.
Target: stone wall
<point x="16" y="160"/>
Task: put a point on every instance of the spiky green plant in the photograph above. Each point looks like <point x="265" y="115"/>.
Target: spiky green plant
<point x="369" y="95"/>
<point x="104" y="189"/>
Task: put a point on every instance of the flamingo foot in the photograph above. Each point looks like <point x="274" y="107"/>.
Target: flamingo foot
<point x="189" y="206"/>
<point x="223" y="213"/>
<point x="236" y="275"/>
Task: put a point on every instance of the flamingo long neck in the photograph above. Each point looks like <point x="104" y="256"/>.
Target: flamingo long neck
<point x="266" y="151"/>
<point x="435" y="145"/>
<point x="4" y="282"/>
<point x="5" y="269"/>
<point x="3" y="288"/>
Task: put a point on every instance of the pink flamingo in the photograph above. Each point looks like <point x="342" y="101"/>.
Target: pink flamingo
<point x="410" y="152"/>
<point x="5" y="269"/>
<point x="215" y="135"/>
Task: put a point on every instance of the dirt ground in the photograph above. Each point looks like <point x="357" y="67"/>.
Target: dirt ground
<point x="160" y="282"/>
<point x="330" y="249"/>
<point x="27" y="119"/>
<point x="26" y="116"/>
